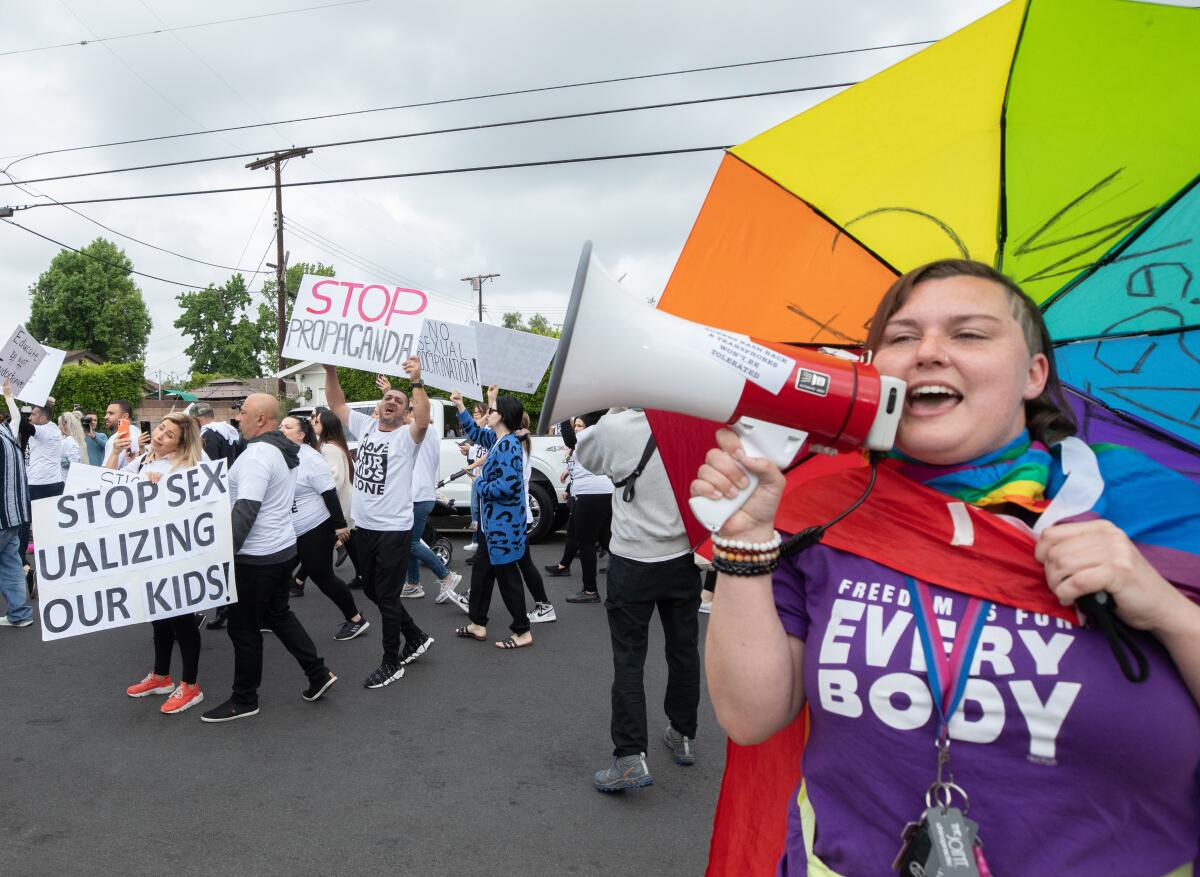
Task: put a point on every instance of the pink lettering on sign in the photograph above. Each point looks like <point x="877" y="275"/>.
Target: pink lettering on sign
<point x="372" y="303"/>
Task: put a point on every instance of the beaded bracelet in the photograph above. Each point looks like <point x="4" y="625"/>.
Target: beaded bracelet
<point x="737" y="557"/>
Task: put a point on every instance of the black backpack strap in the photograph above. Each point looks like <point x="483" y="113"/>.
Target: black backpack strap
<point x="628" y="481"/>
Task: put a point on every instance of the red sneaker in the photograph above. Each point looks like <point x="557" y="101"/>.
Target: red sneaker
<point x="152" y="684"/>
<point x="182" y="698"/>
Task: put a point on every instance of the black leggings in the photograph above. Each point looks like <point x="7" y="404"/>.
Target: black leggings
<point x="484" y="577"/>
<point x="181" y="629"/>
<point x="571" y="549"/>
<point x="315" y="549"/>
<point x="593" y="518"/>
<point x="533" y="578"/>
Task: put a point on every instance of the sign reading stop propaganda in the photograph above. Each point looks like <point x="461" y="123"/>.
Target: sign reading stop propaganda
<point x="369" y="326"/>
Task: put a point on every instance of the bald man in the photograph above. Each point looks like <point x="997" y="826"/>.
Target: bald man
<point x="262" y="487"/>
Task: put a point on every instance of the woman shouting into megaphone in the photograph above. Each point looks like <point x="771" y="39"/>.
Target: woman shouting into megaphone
<point x="960" y="705"/>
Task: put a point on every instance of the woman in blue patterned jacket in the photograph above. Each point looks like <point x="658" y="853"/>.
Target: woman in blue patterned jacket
<point x="501" y="491"/>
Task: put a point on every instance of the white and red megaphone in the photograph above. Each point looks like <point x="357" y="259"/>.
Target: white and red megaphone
<point x="615" y="350"/>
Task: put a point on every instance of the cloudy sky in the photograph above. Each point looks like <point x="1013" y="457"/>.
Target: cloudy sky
<point x="525" y="224"/>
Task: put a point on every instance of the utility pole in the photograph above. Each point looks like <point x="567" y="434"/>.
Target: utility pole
<point x="477" y="282"/>
<point x="280" y="265"/>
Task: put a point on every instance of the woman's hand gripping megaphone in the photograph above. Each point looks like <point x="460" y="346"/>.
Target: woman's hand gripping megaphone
<point x="749" y="452"/>
<point x="736" y="491"/>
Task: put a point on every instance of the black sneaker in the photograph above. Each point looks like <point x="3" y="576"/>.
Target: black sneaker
<point x="228" y="711"/>
<point x="554" y="569"/>
<point x="296" y="591"/>
<point x="351" y="629"/>
<point x="384" y="674"/>
<point x="219" y="618"/>
<point x="413" y="649"/>
<point x="316" y="689"/>
<point x="584" y="597"/>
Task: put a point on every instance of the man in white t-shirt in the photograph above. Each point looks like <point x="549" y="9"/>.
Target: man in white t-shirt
<point x="382" y="508"/>
<point x="113" y="415"/>
<point x="43" y="456"/>
<point x="262" y="487"/>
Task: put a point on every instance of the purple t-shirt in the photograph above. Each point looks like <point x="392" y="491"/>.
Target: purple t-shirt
<point x="1070" y="768"/>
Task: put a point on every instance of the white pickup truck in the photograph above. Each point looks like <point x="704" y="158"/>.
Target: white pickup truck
<point x="547" y="492"/>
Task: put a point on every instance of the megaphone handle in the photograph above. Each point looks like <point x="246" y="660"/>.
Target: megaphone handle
<point x="779" y="444"/>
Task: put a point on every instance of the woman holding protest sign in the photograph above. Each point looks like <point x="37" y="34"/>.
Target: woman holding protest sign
<point x="174" y="444"/>
<point x="945" y="606"/>
<point x="320" y="524"/>
<point x="501" y="490"/>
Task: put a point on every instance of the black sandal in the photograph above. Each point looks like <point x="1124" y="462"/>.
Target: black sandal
<point x="465" y="633"/>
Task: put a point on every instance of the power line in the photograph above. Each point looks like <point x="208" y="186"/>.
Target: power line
<point x="101" y="261"/>
<point x="432" y="173"/>
<point x="455" y="130"/>
<point x="162" y="30"/>
<point x="475" y="97"/>
<point x="96" y="222"/>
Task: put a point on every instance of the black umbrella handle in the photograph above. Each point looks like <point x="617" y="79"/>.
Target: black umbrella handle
<point x="1101" y="608"/>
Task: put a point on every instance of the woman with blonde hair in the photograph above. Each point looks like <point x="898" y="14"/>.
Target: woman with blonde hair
<point x="74" y="446"/>
<point x="174" y="444"/>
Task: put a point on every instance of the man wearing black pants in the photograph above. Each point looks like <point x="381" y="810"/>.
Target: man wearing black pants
<point x="650" y="566"/>
<point x="382" y="508"/>
<point x="262" y="485"/>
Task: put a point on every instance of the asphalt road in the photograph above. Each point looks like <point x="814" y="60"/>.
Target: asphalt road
<point x="477" y="761"/>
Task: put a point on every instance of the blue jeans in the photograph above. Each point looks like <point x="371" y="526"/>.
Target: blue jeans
<point x="422" y="553"/>
<point x="474" y="505"/>
<point x="12" y="575"/>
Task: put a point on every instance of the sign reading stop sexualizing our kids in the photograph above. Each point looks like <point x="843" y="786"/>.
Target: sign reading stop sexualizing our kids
<point x="118" y="554"/>
<point x="369" y="326"/>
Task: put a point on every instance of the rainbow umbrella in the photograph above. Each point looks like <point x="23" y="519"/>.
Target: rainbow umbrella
<point x="1058" y="140"/>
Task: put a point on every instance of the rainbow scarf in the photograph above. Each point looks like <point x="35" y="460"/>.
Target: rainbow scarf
<point x="1015" y="474"/>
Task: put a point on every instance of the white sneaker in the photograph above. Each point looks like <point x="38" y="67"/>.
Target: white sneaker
<point x="412" y="591"/>
<point x="706" y="608"/>
<point x="447" y="586"/>
<point x="470" y="547"/>
<point x="460" y="600"/>
<point x="4" y="622"/>
<point x="542" y="612"/>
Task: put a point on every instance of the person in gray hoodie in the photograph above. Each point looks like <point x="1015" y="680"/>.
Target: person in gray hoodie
<point x="650" y="566"/>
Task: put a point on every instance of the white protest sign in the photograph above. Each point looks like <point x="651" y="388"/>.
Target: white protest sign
<point x="368" y="326"/>
<point x="21" y="358"/>
<point x="81" y="477"/>
<point x="37" y="390"/>
<point x="511" y="359"/>
<point x="448" y="359"/>
<point x="762" y="365"/>
<point x="133" y="552"/>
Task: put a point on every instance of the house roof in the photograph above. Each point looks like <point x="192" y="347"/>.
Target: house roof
<point x="236" y="388"/>
<point x="300" y="367"/>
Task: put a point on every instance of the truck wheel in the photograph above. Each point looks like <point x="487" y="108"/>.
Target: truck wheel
<point x="541" y="503"/>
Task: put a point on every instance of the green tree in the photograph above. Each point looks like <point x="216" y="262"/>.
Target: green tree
<point x="223" y="336"/>
<point x="513" y="320"/>
<point x="88" y="300"/>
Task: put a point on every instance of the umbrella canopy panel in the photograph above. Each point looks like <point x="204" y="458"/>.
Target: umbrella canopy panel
<point x="909" y="160"/>
<point x="1101" y="127"/>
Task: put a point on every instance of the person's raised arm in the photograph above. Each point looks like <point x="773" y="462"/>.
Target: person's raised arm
<point x="481" y="436"/>
<point x="14" y="413"/>
<point x="754" y="667"/>
<point x="335" y="398"/>
<point x="419" y="400"/>
<point x="493" y="393"/>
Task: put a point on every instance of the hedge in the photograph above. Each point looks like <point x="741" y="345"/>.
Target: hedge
<point x="92" y="387"/>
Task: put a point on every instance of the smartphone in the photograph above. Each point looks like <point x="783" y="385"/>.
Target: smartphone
<point x="123" y="428"/>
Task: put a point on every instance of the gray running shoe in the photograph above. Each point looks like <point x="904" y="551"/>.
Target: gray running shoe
<point x="412" y="592"/>
<point x="627" y="772"/>
<point x="683" y="747"/>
